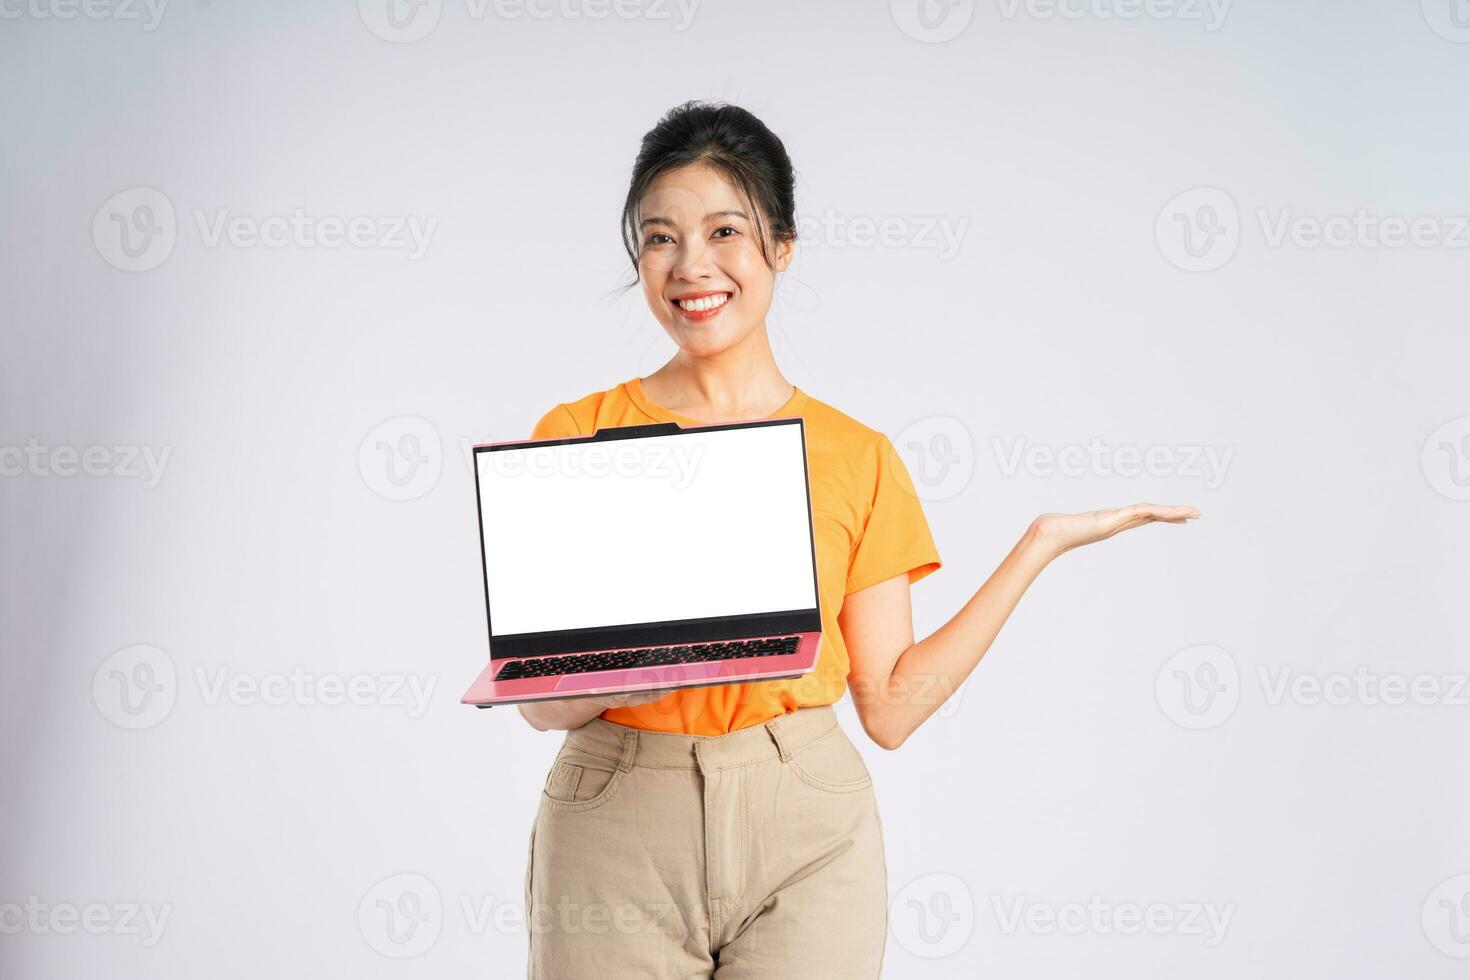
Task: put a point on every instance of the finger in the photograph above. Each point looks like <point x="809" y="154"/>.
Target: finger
<point x="1149" y="514"/>
<point x="1161" y="512"/>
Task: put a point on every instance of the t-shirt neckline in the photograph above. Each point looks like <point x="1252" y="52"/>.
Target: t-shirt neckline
<point x="660" y="414"/>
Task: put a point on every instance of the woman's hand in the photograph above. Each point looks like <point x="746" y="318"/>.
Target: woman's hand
<point x="877" y="622"/>
<point x="1059" y="533"/>
<point x="567" y="713"/>
<point x="629" y="700"/>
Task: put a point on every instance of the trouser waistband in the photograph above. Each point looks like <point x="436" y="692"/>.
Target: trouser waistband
<point x="776" y="739"/>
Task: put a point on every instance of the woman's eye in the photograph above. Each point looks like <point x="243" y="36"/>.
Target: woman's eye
<point x="732" y="231"/>
<point x="654" y="238"/>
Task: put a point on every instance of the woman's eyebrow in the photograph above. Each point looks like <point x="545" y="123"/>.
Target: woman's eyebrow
<point x="656" y="220"/>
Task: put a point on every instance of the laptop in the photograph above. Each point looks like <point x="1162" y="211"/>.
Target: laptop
<point x="644" y="558"/>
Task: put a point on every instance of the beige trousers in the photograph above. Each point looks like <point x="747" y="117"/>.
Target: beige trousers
<point x="755" y="854"/>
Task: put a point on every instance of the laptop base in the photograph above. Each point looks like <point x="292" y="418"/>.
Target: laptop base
<point x="487" y="691"/>
<point x="667" y="690"/>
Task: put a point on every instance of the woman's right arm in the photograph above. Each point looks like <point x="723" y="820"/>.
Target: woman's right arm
<point x="569" y="713"/>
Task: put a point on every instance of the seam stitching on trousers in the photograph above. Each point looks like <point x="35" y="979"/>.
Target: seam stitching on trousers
<point x="744" y="843"/>
<point x="882" y="850"/>
<point x="712" y="903"/>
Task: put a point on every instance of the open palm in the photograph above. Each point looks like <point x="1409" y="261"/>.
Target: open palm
<point x="1063" y="532"/>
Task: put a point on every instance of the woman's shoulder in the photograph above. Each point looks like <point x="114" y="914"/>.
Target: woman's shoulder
<point x="585" y="414"/>
<point x="834" y="426"/>
<point x="854" y="467"/>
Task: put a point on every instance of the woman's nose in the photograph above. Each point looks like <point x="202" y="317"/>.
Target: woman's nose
<point x="691" y="262"/>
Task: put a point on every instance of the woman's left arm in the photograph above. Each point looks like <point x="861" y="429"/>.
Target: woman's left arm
<point x="896" y="683"/>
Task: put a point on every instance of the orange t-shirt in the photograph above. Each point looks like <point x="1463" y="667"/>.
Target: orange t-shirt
<point x="869" y="526"/>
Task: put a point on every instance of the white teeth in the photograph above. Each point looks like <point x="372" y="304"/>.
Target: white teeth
<point x="704" y="303"/>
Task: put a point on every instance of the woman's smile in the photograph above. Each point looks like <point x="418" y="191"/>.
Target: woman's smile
<point x="702" y="307"/>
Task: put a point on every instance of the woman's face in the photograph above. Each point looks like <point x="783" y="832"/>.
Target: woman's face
<point x="701" y="265"/>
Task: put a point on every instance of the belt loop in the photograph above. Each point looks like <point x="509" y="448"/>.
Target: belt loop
<point x="630" y="746"/>
<point x="774" y="729"/>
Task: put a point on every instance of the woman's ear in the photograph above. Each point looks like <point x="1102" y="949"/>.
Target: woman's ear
<point x="785" y="250"/>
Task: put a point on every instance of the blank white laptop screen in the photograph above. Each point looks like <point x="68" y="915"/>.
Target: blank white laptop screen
<point x="646" y="530"/>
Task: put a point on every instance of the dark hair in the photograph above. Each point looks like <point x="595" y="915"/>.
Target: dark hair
<point x="730" y="139"/>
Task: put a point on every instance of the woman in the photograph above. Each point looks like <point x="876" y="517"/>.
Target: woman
<point x="732" y="831"/>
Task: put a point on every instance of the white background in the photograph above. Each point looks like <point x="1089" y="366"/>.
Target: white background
<point x="318" y="404"/>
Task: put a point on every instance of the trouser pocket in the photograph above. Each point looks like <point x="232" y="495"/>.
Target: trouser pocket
<point x="832" y="764"/>
<point x="580" y="778"/>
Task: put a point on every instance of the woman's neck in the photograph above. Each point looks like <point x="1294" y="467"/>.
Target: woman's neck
<point x="719" y="387"/>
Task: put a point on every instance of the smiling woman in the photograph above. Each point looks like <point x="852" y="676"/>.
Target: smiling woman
<point x="746" y="805"/>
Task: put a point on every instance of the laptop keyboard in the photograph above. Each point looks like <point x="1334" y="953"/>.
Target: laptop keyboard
<point x="694" y="653"/>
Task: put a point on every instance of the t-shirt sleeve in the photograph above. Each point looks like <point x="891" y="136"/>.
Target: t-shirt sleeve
<point x="556" y="424"/>
<point x="896" y="538"/>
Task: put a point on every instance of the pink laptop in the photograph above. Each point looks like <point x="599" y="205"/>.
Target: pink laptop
<point x="646" y="557"/>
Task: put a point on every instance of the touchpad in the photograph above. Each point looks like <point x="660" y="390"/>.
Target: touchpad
<point x="676" y="673"/>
